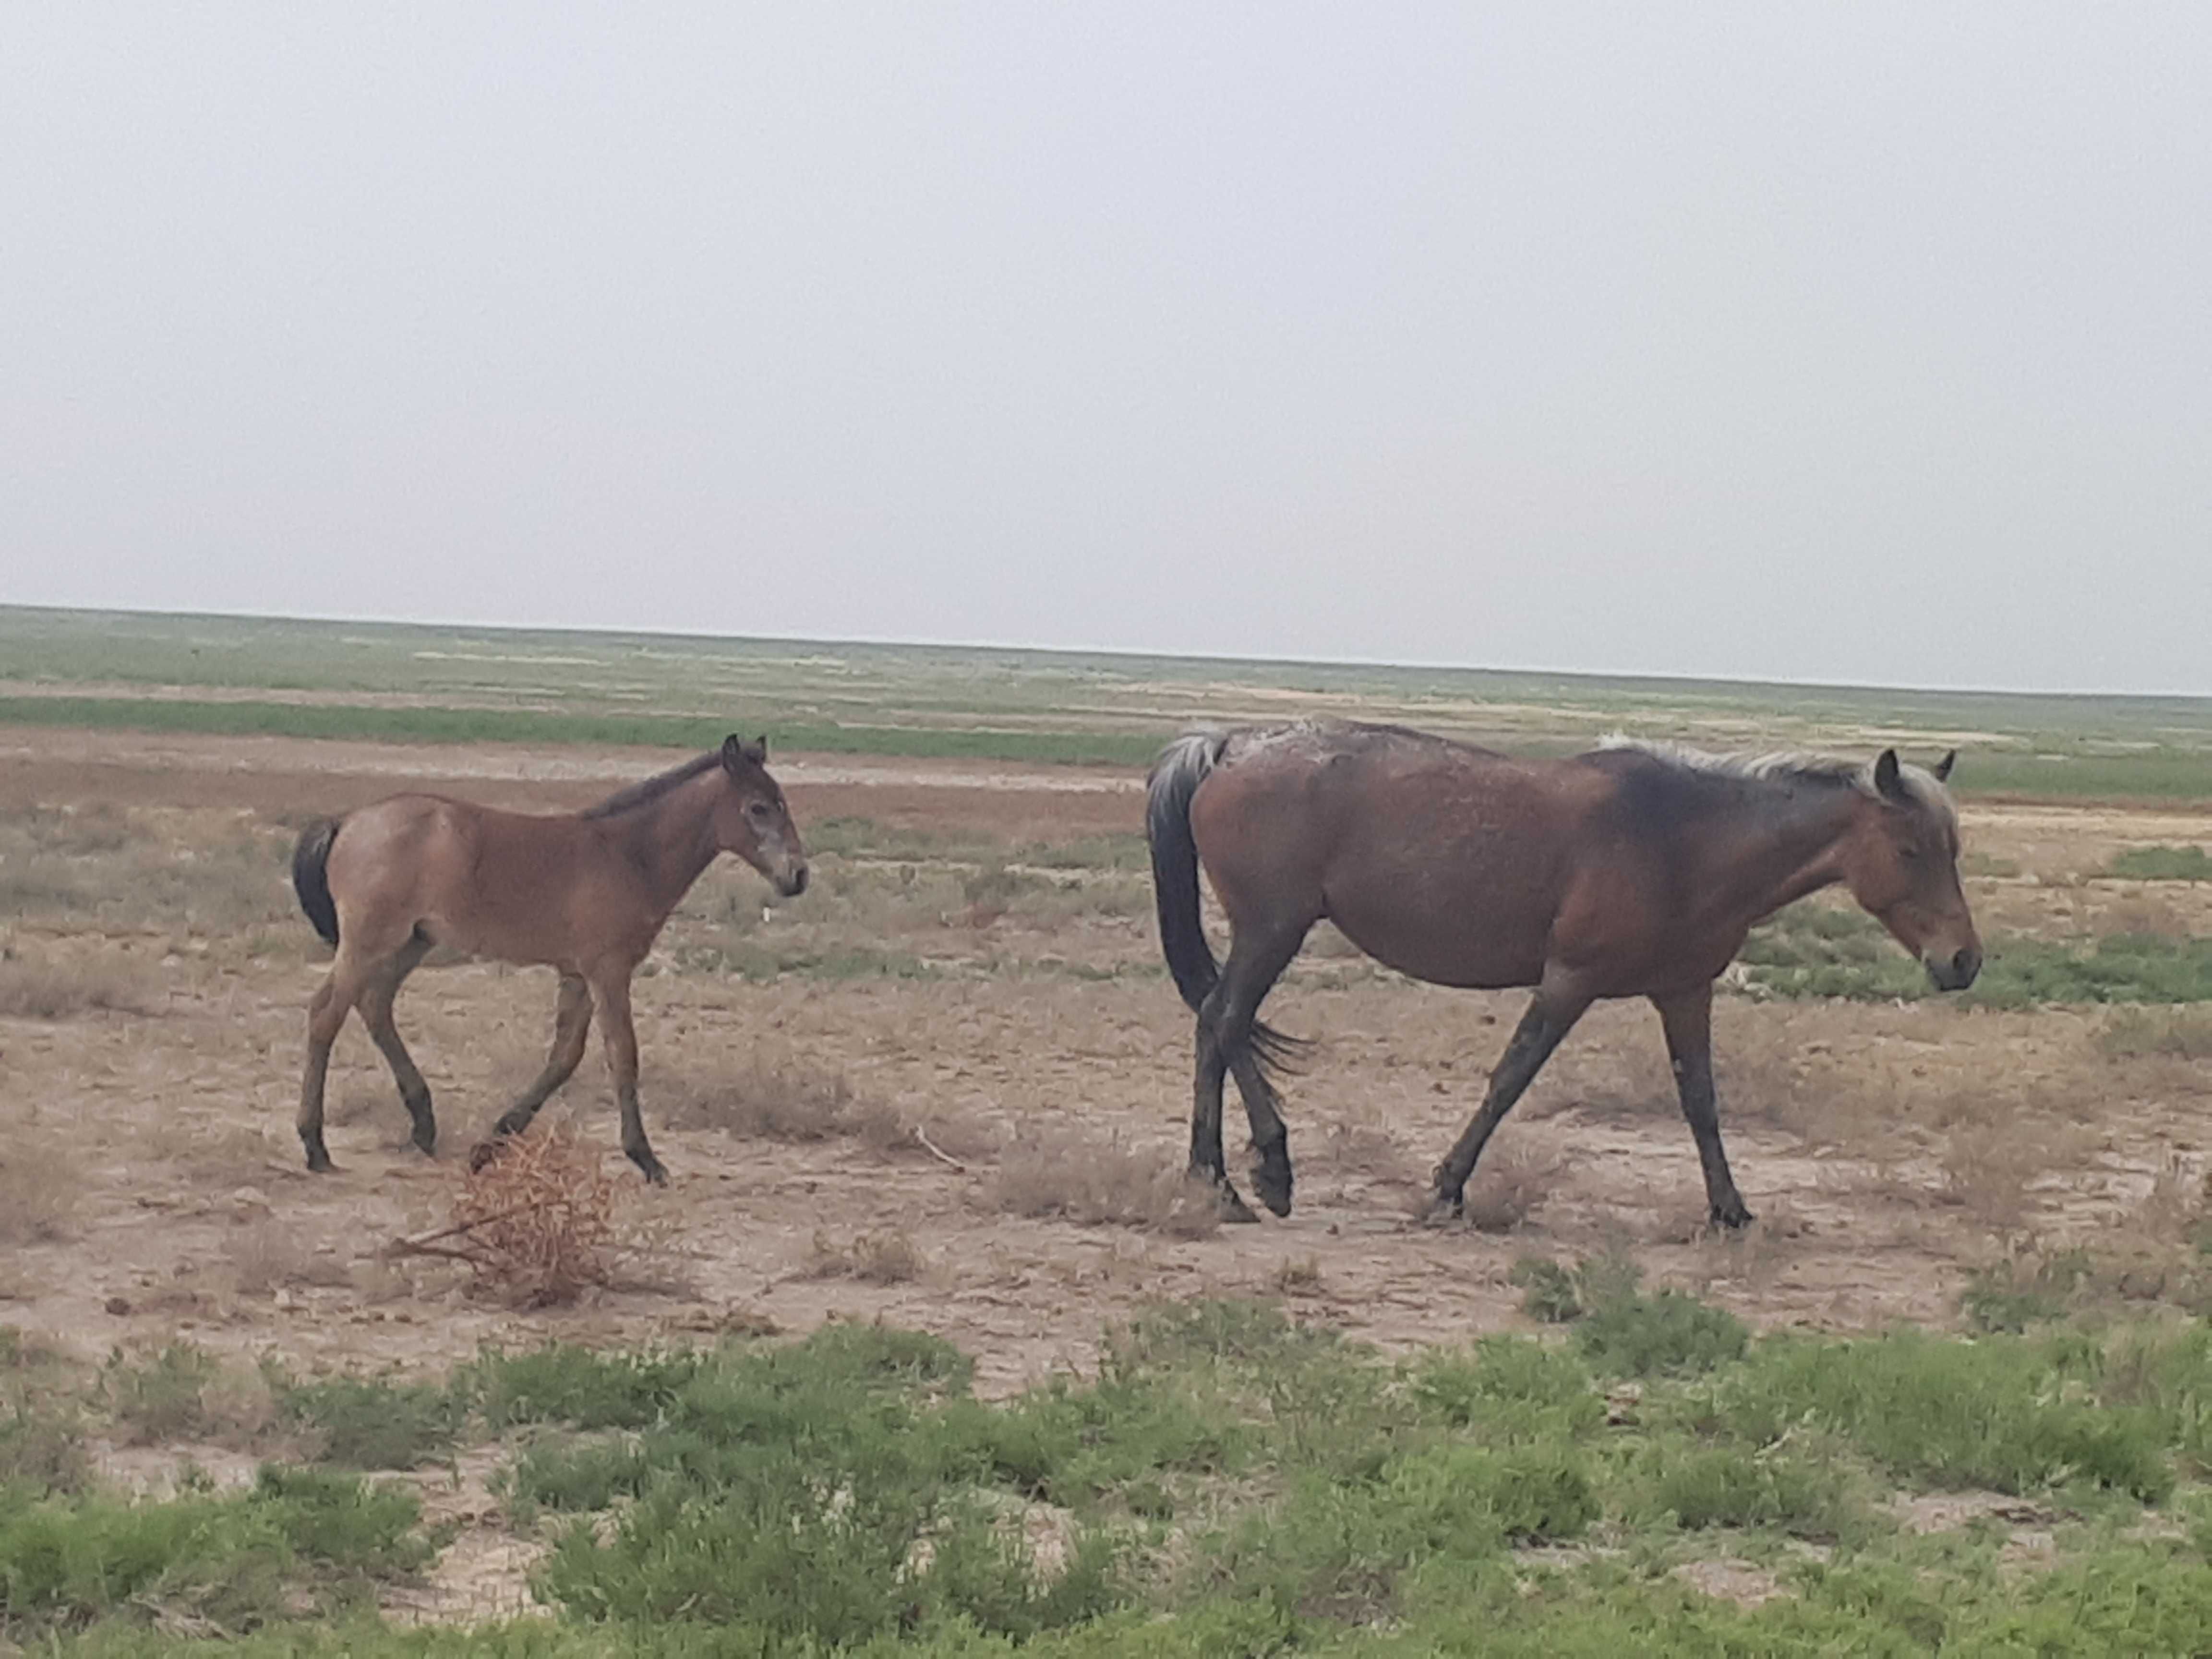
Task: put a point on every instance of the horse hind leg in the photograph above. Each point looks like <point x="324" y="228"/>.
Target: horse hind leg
<point x="376" y="1001"/>
<point x="326" y="1016"/>
<point x="572" y="1027"/>
<point x="1256" y="960"/>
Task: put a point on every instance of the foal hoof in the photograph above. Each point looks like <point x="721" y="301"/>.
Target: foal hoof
<point x="319" y="1158"/>
<point x="655" y="1173"/>
<point x="485" y="1153"/>
<point x="1443" y="1210"/>
<point x="426" y="1140"/>
<point x="1732" y="1217"/>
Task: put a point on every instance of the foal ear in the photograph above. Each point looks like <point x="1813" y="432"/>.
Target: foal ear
<point x="1943" y="768"/>
<point x="756" y="750"/>
<point x="733" y="754"/>
<point x="1887" y="778"/>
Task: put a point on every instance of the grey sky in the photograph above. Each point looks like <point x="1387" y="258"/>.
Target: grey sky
<point x="1864" y="343"/>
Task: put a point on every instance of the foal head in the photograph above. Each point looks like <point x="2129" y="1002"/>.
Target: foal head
<point x="751" y="820"/>
<point x="1901" y="863"/>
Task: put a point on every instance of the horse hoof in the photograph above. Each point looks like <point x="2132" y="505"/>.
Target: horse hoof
<point x="1232" y="1208"/>
<point x="1732" y="1217"/>
<point x="1274" y="1187"/>
<point x="426" y="1142"/>
<point x="1443" y="1210"/>
<point x="318" y="1161"/>
<point x="655" y="1173"/>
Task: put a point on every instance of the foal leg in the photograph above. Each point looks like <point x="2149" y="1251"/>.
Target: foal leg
<point x="572" y="1029"/>
<point x="1549" y="1019"/>
<point x="612" y="988"/>
<point x="1687" y="1019"/>
<point x="333" y="1001"/>
<point x="1256" y="961"/>
<point x="376" y="999"/>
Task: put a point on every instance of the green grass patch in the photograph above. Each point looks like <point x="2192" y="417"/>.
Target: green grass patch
<point x="2161" y="863"/>
<point x="1825" y="951"/>
<point x="224" y="1563"/>
<point x="421" y="724"/>
<point x="1228" y="1481"/>
<point x="358" y="1423"/>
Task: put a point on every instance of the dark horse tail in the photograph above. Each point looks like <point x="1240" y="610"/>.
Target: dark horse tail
<point x="310" y="879"/>
<point x="1182" y="767"/>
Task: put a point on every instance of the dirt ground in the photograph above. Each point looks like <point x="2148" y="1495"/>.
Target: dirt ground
<point x="1888" y="1149"/>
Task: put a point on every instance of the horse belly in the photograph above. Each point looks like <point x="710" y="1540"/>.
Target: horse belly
<point x="1455" y="933"/>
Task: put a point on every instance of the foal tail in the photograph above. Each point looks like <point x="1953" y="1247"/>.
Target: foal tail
<point x="310" y="879"/>
<point x="1182" y="767"/>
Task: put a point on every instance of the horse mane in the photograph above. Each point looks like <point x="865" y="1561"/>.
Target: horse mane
<point x="1791" y="766"/>
<point x="631" y="795"/>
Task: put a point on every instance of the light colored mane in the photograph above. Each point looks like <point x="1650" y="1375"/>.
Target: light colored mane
<point x="1784" y="765"/>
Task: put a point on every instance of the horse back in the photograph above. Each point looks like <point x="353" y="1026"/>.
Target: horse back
<point x="517" y="887"/>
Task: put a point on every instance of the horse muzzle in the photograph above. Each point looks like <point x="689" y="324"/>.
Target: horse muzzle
<point x="793" y="881"/>
<point x="1956" y="971"/>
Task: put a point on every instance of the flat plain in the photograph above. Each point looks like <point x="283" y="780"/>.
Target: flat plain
<point x="946" y="1089"/>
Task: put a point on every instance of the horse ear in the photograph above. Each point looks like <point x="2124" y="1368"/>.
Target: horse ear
<point x="1943" y="768"/>
<point x="1887" y="777"/>
<point x="756" y="750"/>
<point x="733" y="753"/>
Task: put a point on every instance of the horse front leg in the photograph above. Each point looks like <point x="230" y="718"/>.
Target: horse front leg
<point x="1548" y="1020"/>
<point x="619" y="1036"/>
<point x="571" y="1029"/>
<point x="1686" y="1016"/>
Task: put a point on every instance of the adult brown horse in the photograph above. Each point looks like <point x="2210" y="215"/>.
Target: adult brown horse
<point x="1635" y="869"/>
<point x="585" y="892"/>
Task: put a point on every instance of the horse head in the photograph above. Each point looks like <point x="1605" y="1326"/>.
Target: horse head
<point x="752" y="820"/>
<point x="1901" y="864"/>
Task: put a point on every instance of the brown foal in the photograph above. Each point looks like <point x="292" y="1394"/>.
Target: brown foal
<point x="586" y="893"/>
<point x="1635" y="869"/>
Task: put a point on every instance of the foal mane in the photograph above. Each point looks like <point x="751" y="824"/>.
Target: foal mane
<point x="1791" y="766"/>
<point x="631" y="795"/>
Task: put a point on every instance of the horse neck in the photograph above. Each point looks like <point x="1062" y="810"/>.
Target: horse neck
<point x="670" y="839"/>
<point x="1788" y="845"/>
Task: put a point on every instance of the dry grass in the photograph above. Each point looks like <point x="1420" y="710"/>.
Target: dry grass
<point x="34" y="986"/>
<point x="1986" y="1168"/>
<point x="1364" y="1149"/>
<point x="889" y="1257"/>
<point x="1298" y="1276"/>
<point x="1073" y="1177"/>
<point x="534" y="1218"/>
<point x="39" y="1186"/>
<point x="781" y="1100"/>
<point x="266" y="1257"/>
<point x="1509" y="1184"/>
<point x="2166" y="1033"/>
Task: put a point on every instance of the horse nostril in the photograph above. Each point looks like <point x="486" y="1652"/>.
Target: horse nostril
<point x="799" y="881"/>
<point x="1966" y="964"/>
